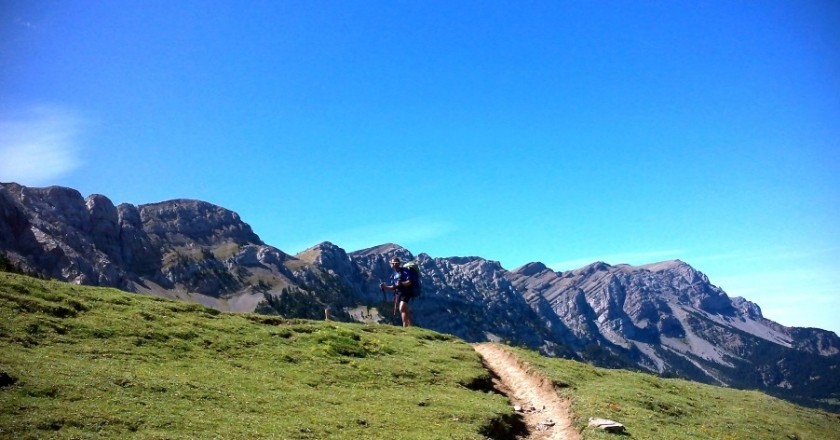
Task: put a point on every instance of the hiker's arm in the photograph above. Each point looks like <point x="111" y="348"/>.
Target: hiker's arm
<point x="394" y="286"/>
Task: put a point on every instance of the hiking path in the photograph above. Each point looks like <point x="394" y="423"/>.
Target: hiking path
<point x="547" y="415"/>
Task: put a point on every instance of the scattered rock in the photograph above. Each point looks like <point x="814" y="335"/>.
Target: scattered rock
<point x="606" y="425"/>
<point x="528" y="410"/>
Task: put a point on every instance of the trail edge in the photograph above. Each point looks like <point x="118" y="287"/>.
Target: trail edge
<point x="547" y="415"/>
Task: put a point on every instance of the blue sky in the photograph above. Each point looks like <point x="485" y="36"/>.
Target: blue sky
<point x="565" y="132"/>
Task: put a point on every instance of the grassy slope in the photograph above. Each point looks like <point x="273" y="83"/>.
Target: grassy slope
<point x="99" y="363"/>
<point x="656" y="408"/>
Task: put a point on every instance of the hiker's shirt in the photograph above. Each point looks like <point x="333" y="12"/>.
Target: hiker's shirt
<point x="401" y="276"/>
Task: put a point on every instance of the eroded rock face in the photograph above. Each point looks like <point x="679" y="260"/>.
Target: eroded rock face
<point x="15" y="228"/>
<point x="57" y="233"/>
<point x="668" y="318"/>
<point x="49" y="233"/>
<point x="139" y="255"/>
<point x="185" y="222"/>
<point x="104" y="227"/>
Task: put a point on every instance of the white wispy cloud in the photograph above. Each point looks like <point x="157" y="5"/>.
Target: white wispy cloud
<point x="403" y="232"/>
<point x="39" y="145"/>
<point x="635" y="258"/>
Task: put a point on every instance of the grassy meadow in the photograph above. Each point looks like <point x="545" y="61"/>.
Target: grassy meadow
<point x="655" y="408"/>
<point x="82" y="362"/>
<point x="79" y="362"/>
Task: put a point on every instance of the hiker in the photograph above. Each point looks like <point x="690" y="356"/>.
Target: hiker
<point x="401" y="285"/>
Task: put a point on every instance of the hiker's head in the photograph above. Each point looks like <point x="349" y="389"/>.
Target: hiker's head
<point x="395" y="262"/>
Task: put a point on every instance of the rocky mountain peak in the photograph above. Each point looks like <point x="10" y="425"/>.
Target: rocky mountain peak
<point x="598" y="266"/>
<point x="386" y="248"/>
<point x="665" y="265"/>
<point x="531" y="269"/>
<point x="66" y="203"/>
<point x="324" y="253"/>
<point x="678" y="269"/>
<point x="469" y="260"/>
<point x="747" y="308"/>
<point x="184" y="222"/>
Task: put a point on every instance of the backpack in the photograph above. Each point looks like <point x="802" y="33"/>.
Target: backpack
<point x="414" y="272"/>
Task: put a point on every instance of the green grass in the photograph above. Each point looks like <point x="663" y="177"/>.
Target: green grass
<point x="81" y="362"/>
<point x="656" y="408"/>
<point x="100" y="363"/>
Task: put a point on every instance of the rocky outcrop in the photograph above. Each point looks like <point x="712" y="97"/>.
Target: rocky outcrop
<point x="193" y="222"/>
<point x="51" y="232"/>
<point x="666" y="317"/>
<point x="176" y="248"/>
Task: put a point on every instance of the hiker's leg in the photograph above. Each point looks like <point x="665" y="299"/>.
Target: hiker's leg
<point x="405" y="314"/>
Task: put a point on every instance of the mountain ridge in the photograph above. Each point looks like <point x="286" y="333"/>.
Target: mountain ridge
<point x="665" y="317"/>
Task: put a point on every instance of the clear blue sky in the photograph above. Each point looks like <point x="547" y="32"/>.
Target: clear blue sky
<point x="565" y="132"/>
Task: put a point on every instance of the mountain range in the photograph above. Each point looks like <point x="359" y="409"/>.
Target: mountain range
<point x="665" y="317"/>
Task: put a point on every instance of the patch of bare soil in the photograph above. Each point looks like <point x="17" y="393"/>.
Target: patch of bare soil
<point x="547" y="416"/>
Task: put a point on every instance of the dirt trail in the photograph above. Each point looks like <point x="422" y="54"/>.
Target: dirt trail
<point x="546" y="414"/>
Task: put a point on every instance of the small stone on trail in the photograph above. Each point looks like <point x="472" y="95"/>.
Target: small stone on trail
<point x="528" y="410"/>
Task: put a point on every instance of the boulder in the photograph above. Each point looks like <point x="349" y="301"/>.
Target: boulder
<point x="607" y="425"/>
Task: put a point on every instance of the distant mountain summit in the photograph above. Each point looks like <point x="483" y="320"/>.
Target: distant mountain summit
<point x="664" y="317"/>
<point x="668" y="318"/>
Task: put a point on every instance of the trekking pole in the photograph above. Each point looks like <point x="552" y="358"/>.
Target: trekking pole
<point x="385" y="296"/>
<point x="382" y="289"/>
